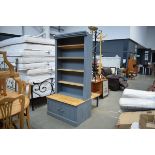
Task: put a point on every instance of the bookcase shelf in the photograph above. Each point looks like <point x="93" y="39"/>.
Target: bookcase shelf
<point x="71" y="70"/>
<point x="71" y="83"/>
<point x="76" y="58"/>
<point x="75" y="46"/>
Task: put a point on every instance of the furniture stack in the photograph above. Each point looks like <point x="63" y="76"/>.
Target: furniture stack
<point x="72" y="100"/>
<point x="34" y="59"/>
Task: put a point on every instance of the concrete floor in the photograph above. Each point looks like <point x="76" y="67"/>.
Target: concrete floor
<point x="103" y="117"/>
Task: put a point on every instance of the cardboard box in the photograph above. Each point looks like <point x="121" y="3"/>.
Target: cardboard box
<point x="126" y="119"/>
<point x="147" y="121"/>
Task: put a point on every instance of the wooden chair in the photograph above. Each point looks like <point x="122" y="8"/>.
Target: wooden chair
<point x="21" y="87"/>
<point x="6" y="105"/>
<point x="2" y="87"/>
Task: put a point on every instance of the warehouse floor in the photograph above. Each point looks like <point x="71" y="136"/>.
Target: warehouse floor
<point x="103" y="117"/>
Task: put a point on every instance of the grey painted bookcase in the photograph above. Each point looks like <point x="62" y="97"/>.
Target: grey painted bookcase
<point x="72" y="99"/>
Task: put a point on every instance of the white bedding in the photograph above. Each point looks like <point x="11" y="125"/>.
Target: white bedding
<point x="27" y="46"/>
<point x="29" y="60"/>
<point x="39" y="71"/>
<point x="27" y="53"/>
<point x="137" y="103"/>
<point x="132" y="93"/>
<point x="32" y="66"/>
<point x="27" y="39"/>
<point x="36" y="79"/>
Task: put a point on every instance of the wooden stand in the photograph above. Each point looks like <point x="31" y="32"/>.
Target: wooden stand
<point x="100" y="87"/>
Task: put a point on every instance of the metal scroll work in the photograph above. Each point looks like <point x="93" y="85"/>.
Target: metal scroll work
<point x="43" y="89"/>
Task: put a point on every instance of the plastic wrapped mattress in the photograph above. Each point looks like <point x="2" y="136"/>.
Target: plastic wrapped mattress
<point x="27" y="39"/>
<point x="137" y="100"/>
<point x="29" y="60"/>
<point x="28" y="53"/>
<point x="137" y="103"/>
<point x="132" y="93"/>
<point x="36" y="79"/>
<point x="28" y="46"/>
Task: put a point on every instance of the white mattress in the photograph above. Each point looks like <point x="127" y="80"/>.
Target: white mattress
<point x="32" y="66"/>
<point x="39" y="71"/>
<point x="26" y="39"/>
<point x="137" y="103"/>
<point x="36" y="79"/>
<point x="27" y="46"/>
<point x="27" y="53"/>
<point x="29" y="60"/>
<point x="132" y="93"/>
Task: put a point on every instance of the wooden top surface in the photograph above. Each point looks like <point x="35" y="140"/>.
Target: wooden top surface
<point x="7" y="74"/>
<point x="16" y="105"/>
<point x="70" y="100"/>
<point x="75" y="46"/>
<point x="66" y="99"/>
<point x="71" y="70"/>
<point x="94" y="95"/>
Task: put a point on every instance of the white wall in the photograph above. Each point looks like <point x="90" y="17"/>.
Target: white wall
<point x="139" y="34"/>
<point x="151" y="37"/>
<point x="111" y="32"/>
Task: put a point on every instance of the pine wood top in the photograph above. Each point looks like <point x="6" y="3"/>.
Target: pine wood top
<point x="94" y="95"/>
<point x="71" y="70"/>
<point x="16" y="105"/>
<point x="66" y="99"/>
<point x="70" y="100"/>
<point x="75" y="46"/>
<point x="71" y="83"/>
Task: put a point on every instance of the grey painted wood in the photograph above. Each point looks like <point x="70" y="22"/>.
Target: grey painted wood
<point x="85" y="64"/>
<point x="71" y="114"/>
<point x="88" y="47"/>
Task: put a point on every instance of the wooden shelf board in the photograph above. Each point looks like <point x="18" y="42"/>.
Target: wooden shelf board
<point x="66" y="99"/>
<point x="75" y="46"/>
<point x="78" y="58"/>
<point x="71" y="83"/>
<point x="95" y="95"/>
<point x="71" y="70"/>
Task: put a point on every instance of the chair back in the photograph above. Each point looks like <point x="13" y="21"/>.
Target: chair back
<point x="6" y="104"/>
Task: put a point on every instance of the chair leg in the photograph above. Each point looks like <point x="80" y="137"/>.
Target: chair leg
<point x="21" y="121"/>
<point x="28" y="117"/>
<point x="97" y="101"/>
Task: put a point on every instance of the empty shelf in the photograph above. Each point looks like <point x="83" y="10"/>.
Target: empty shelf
<point x="75" y="46"/>
<point x="66" y="99"/>
<point x="71" y="83"/>
<point x="71" y="70"/>
<point x="76" y="58"/>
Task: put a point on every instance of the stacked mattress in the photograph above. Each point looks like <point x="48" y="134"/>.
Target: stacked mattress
<point x="34" y="59"/>
<point x="137" y="100"/>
